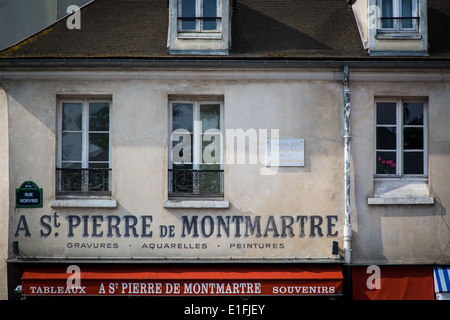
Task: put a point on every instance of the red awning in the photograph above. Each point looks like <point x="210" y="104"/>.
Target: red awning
<point x="183" y="280"/>
<point x="395" y="283"/>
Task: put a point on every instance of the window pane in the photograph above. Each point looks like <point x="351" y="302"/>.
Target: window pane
<point x="386" y="12"/>
<point x="412" y="138"/>
<point x="182" y="116"/>
<point x="386" y="162"/>
<point x="183" y="166"/>
<point x="211" y="149"/>
<point x="71" y="146"/>
<point x="386" y="138"/>
<point x="99" y="165"/>
<point x="413" y="113"/>
<point x="413" y="163"/>
<point x="209" y="10"/>
<point x="71" y="165"/>
<point x="72" y="116"/>
<point x="210" y="139"/>
<point x="182" y="135"/>
<point x="205" y="166"/>
<point x="188" y="11"/>
<point x="99" y="116"/>
<point x="98" y="147"/>
<point x="210" y="116"/>
<point x="407" y="11"/>
<point x="386" y="113"/>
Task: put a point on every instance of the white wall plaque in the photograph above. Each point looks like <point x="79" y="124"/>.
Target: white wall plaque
<point x="285" y="152"/>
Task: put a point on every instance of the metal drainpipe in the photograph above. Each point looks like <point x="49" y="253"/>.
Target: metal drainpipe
<point x="347" y="222"/>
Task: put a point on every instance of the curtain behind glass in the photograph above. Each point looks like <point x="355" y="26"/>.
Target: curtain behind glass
<point x="387" y="12"/>
<point x="407" y="11"/>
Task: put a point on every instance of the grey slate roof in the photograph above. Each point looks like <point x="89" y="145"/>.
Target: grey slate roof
<point x="439" y="28"/>
<point x="289" y="29"/>
<point x="279" y="29"/>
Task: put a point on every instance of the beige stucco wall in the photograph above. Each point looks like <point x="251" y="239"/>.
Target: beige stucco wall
<point x="398" y="45"/>
<point x="4" y="194"/>
<point x="298" y="107"/>
<point x="401" y="233"/>
<point x="309" y="110"/>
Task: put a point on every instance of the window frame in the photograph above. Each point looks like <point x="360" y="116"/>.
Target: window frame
<point x="399" y="125"/>
<point x="84" y="144"/>
<point x="199" y="32"/>
<point x="397" y="25"/>
<point x="196" y="144"/>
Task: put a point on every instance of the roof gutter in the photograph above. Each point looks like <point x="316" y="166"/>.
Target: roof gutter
<point x="231" y="63"/>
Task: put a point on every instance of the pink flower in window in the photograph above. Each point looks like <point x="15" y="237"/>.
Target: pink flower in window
<point x="385" y="166"/>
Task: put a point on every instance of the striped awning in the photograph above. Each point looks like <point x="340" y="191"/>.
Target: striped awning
<point x="441" y="279"/>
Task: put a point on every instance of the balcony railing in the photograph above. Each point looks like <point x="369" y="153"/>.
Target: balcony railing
<point x="195" y="183"/>
<point x="83" y="181"/>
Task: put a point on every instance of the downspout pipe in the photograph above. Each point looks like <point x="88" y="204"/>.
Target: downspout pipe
<point x="347" y="137"/>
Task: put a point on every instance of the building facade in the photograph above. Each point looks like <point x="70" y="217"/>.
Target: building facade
<point x="228" y="148"/>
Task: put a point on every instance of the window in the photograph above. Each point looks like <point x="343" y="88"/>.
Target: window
<point x="194" y="20"/>
<point x="394" y="20"/>
<point x="199" y="15"/>
<point x="196" y="153"/>
<point x="83" y="160"/>
<point x="401" y="139"/>
<point x="398" y="16"/>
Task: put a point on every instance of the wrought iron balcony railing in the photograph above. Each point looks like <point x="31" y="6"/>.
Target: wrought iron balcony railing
<point x="197" y="183"/>
<point x="83" y="181"/>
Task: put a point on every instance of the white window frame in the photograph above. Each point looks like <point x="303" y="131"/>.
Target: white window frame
<point x="399" y="136"/>
<point x="197" y="132"/>
<point x="397" y="12"/>
<point x="84" y="132"/>
<point x="199" y="32"/>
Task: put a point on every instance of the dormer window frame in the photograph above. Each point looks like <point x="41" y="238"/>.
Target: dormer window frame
<point x="397" y="39"/>
<point x="396" y="20"/>
<point x="199" y="38"/>
<point x="200" y="29"/>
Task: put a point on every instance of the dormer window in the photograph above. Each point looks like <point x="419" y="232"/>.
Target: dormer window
<point x="199" y="15"/>
<point x="397" y="28"/>
<point x="199" y="27"/>
<point x="398" y="16"/>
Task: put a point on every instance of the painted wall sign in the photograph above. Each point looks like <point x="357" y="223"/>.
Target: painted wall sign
<point x="112" y="235"/>
<point x="29" y="195"/>
<point x="285" y="152"/>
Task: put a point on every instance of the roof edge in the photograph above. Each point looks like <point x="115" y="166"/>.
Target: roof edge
<point x="388" y="62"/>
